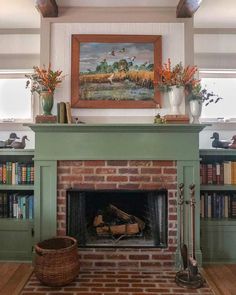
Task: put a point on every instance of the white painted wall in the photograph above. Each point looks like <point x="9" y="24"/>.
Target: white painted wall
<point x="19" y="51"/>
<point x="172" y="44"/>
<point x="215" y="51"/>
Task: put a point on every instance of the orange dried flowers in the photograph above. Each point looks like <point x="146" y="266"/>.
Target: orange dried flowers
<point x="44" y="79"/>
<point x="175" y="76"/>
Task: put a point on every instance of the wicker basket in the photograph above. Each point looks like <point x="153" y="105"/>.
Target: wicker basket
<point x="57" y="261"/>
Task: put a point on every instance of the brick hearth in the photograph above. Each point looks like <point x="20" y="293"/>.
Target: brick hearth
<point x="133" y="175"/>
<point x="117" y="282"/>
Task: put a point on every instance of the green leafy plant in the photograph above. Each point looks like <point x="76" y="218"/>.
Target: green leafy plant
<point x="200" y="94"/>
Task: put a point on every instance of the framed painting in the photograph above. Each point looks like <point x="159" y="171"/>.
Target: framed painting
<point x="115" y="71"/>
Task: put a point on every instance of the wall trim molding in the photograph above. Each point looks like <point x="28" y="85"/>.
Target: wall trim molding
<point x="22" y="31"/>
<point x="214" y="31"/>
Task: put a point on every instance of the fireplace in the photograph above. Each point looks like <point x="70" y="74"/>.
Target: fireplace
<point x="117" y="218"/>
<point x="115" y="157"/>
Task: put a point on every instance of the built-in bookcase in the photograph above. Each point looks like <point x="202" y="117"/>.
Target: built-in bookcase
<point x="218" y="205"/>
<point x="16" y="204"/>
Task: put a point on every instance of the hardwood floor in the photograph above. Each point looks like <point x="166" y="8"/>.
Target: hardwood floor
<point x="13" y="277"/>
<point x="221" y="278"/>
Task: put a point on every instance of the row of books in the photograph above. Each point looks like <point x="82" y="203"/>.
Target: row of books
<point x="16" y="205"/>
<point x="218" y="173"/>
<point x="16" y="173"/>
<point x="217" y="205"/>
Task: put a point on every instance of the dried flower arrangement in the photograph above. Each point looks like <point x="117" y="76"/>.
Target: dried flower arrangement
<point x="178" y="75"/>
<point x="44" y="79"/>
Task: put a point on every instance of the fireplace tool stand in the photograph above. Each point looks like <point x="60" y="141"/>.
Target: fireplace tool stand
<point x="188" y="277"/>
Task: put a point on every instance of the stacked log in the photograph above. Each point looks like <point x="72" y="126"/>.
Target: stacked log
<point x="131" y="224"/>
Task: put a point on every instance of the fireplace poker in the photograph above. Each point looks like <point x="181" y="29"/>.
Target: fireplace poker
<point x="183" y="246"/>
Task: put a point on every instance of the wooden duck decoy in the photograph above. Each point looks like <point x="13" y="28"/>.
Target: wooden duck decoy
<point x="7" y="143"/>
<point x="233" y="144"/>
<point x="217" y="143"/>
<point x="19" y="144"/>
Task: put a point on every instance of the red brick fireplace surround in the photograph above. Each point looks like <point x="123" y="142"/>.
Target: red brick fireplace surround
<point x="120" y="174"/>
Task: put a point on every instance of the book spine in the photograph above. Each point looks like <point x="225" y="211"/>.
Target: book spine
<point x="10" y="205"/>
<point x="13" y="174"/>
<point x="209" y="174"/>
<point x="15" y="206"/>
<point x="4" y="174"/>
<point x="217" y="173"/>
<point x="221" y="173"/>
<point x="19" y="173"/>
<point x="32" y="174"/>
<point x="204" y="173"/>
<point x="233" y="206"/>
<point x="68" y="113"/>
<point x="1" y="173"/>
<point x="23" y="174"/>
<point x="62" y="115"/>
<point x="1" y="204"/>
<point x="28" y="173"/>
<point x="5" y="205"/>
<point x="209" y="209"/>
<point x="214" y="177"/>
<point x="16" y="172"/>
<point x="226" y="206"/>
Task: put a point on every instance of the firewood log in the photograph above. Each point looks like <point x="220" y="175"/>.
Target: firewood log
<point x="98" y="220"/>
<point x="127" y="217"/>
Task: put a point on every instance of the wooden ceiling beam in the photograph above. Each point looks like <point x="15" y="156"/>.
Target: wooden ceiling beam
<point x="187" y="8"/>
<point x="47" y="8"/>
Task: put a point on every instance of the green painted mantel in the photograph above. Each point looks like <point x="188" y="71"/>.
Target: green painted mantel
<point x="115" y="142"/>
<point x="55" y="142"/>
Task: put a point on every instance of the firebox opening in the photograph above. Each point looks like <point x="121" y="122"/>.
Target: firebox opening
<point x="117" y="218"/>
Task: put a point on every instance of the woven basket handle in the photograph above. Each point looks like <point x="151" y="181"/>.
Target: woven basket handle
<point x="38" y="251"/>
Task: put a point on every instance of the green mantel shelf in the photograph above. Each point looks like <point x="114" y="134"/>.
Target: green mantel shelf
<point x="116" y="141"/>
<point x="116" y="127"/>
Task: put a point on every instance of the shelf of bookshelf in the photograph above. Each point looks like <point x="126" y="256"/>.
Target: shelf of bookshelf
<point x="15" y="223"/>
<point x="218" y="222"/>
<point x="16" y="229"/>
<point x="218" y="235"/>
<point x="19" y="187"/>
<point x="19" y="152"/>
<point x="218" y="187"/>
<point x="217" y="152"/>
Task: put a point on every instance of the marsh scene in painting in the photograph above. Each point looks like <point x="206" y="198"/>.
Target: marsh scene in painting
<point x="116" y="71"/>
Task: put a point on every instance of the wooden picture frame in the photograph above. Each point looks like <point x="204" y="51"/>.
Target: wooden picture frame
<point x="115" y="71"/>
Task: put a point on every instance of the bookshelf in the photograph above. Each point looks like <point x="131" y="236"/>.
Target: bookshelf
<point x="16" y="204"/>
<point x="218" y="214"/>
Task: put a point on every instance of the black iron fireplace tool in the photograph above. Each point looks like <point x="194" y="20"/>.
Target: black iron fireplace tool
<point x="189" y="276"/>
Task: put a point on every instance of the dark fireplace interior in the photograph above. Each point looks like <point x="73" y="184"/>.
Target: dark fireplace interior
<point x="117" y="218"/>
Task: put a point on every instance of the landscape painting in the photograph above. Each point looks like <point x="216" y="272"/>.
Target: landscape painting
<point x="114" y="71"/>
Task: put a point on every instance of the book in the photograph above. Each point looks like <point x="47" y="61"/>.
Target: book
<point x="46" y="119"/>
<point x="68" y="113"/>
<point x="62" y="112"/>
<point x="209" y="173"/>
<point x="227" y="172"/>
<point x="204" y="173"/>
<point x="226" y="206"/>
<point x="233" y="206"/>
<point x="176" y="119"/>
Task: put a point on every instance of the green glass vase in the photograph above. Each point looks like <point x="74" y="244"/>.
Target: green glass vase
<point x="46" y="102"/>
